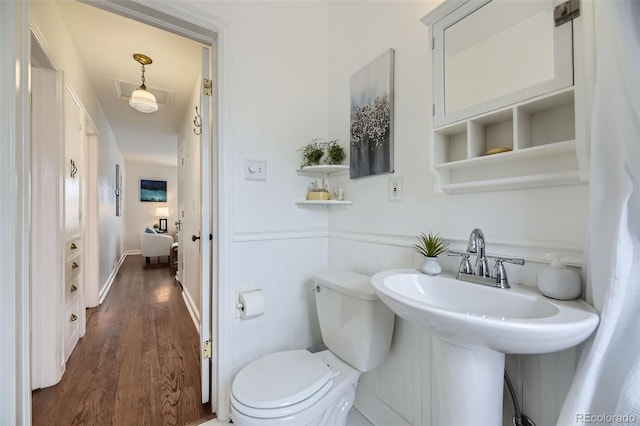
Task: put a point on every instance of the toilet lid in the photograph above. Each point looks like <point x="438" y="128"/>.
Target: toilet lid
<point x="280" y="379"/>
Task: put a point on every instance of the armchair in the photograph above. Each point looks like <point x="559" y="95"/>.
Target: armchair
<point x="155" y="245"/>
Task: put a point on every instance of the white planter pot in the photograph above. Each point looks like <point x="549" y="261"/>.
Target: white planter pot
<point x="431" y="266"/>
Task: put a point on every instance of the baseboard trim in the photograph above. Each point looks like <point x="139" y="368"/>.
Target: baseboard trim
<point x="132" y="252"/>
<point x="375" y="410"/>
<point x="105" y="290"/>
<point x="191" y="307"/>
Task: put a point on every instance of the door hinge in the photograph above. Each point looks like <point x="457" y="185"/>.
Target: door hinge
<point x="565" y="12"/>
<point x="207" y="349"/>
<point x="433" y="109"/>
<point x="207" y="86"/>
<point x="433" y="43"/>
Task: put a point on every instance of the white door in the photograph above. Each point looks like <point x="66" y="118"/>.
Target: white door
<point x="205" y="229"/>
<point x="195" y="165"/>
<point x="182" y="237"/>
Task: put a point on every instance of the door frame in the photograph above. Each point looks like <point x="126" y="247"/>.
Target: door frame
<point x="184" y="20"/>
<point x="15" y="210"/>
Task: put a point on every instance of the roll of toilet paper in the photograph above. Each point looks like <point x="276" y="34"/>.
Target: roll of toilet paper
<point x="252" y="304"/>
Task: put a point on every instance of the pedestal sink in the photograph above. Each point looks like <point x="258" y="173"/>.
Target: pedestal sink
<point x="476" y="326"/>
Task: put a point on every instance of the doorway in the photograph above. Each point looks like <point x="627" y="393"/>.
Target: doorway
<point x="189" y="24"/>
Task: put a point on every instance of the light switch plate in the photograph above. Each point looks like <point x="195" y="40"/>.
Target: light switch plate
<point x="255" y="170"/>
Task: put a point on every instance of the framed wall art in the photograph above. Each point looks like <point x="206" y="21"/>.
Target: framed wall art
<point x="371" y="147"/>
<point x="153" y="190"/>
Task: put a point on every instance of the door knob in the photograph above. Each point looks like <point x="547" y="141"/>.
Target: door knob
<point x="195" y="237"/>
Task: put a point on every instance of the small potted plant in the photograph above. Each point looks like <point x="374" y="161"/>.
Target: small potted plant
<point x="335" y="153"/>
<point x="312" y="153"/>
<point x="431" y="246"/>
<point x="318" y="190"/>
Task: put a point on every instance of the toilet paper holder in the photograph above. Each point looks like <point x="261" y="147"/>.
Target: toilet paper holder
<point x="254" y="296"/>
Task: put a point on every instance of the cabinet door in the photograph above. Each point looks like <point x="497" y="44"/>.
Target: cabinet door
<point x="73" y="139"/>
<point x="490" y="54"/>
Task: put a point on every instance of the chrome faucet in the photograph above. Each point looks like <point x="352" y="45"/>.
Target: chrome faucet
<point x="481" y="274"/>
<point x="476" y="245"/>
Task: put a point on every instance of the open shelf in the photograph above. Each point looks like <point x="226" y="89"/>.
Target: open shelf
<point x="324" y="203"/>
<point x="322" y="170"/>
<point x="538" y="139"/>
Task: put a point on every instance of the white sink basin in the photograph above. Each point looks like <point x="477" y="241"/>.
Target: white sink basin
<point x="515" y="320"/>
<point x="476" y="326"/>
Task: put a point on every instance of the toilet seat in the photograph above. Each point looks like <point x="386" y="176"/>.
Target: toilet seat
<point x="280" y="412"/>
<point x="281" y="384"/>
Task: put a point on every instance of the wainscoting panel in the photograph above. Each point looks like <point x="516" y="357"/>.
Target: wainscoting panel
<point x="400" y="391"/>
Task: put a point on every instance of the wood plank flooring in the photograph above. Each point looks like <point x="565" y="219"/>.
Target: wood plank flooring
<point x="138" y="363"/>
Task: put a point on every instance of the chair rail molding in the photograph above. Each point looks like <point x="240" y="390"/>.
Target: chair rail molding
<point x="242" y="236"/>
<point x="530" y="250"/>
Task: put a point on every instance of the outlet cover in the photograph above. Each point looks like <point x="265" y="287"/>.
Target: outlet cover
<point x="395" y="188"/>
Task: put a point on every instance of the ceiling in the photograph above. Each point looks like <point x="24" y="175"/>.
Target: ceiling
<point x="106" y="43"/>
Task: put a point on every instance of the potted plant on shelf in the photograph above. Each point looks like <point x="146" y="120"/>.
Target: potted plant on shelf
<point x="318" y="190"/>
<point x="335" y="153"/>
<point x="431" y="246"/>
<point x="312" y="153"/>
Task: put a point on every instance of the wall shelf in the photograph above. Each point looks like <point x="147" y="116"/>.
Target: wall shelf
<point x="539" y="134"/>
<point x="322" y="170"/>
<point x="323" y="203"/>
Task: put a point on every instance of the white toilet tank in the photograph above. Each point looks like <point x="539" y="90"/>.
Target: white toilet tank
<point x="356" y="325"/>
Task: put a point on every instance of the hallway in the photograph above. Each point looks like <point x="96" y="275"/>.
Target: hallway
<point x="138" y="362"/>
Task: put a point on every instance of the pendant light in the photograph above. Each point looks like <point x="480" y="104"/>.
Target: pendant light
<point x="141" y="99"/>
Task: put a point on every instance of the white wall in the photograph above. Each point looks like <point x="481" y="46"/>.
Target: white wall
<point x="46" y="18"/>
<point x="138" y="214"/>
<point x="376" y="234"/>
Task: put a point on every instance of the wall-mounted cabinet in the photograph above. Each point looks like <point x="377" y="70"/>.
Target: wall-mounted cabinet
<point x="74" y="309"/>
<point x="323" y="171"/>
<point x="528" y="144"/>
<point x="498" y="125"/>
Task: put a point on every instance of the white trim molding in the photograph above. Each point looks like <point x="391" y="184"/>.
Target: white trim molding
<point x="530" y="250"/>
<point x="191" y="307"/>
<point x="282" y="234"/>
<point x="15" y="170"/>
<point x="105" y="289"/>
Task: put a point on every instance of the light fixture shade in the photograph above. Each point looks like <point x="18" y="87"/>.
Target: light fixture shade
<point x="162" y="212"/>
<point x="142" y="100"/>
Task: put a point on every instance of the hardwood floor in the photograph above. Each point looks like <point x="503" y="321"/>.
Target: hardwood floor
<point x="138" y="363"/>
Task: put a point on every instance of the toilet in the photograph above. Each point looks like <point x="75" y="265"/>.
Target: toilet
<point x="302" y="388"/>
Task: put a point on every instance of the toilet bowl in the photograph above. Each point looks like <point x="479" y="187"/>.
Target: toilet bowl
<point x="303" y="388"/>
<point x="320" y="398"/>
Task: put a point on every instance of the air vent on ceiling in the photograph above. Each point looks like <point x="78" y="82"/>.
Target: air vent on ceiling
<point x="122" y="90"/>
